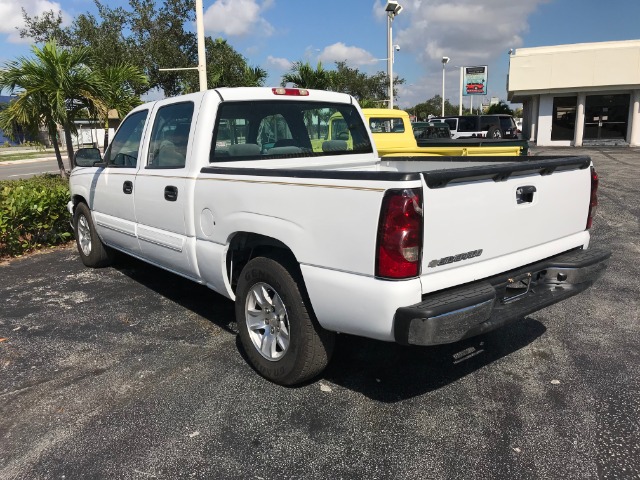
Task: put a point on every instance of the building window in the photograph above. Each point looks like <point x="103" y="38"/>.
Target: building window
<point x="563" y="124"/>
<point x="606" y="117"/>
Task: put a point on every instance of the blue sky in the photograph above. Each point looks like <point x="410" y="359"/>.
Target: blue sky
<point x="273" y="33"/>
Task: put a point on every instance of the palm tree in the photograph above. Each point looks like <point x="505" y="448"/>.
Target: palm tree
<point x="118" y="85"/>
<point x="303" y="75"/>
<point x="254" y="76"/>
<point x="52" y="89"/>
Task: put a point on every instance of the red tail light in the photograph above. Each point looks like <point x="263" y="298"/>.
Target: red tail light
<point x="593" y="201"/>
<point x="400" y="234"/>
<point x="296" y="92"/>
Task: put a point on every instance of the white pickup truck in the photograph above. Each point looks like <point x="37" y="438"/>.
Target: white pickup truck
<point x="240" y="190"/>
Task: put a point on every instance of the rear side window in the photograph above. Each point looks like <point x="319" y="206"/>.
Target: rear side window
<point x="468" y="124"/>
<point x="170" y="136"/>
<point x="507" y="123"/>
<point x="487" y="122"/>
<point x="272" y="129"/>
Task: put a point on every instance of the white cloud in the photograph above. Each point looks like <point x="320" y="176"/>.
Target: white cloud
<point x="467" y="31"/>
<point x="279" y="63"/>
<point x="354" y="56"/>
<point x="11" y="15"/>
<point x="238" y="17"/>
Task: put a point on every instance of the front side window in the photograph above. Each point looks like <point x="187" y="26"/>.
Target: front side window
<point x="170" y="136"/>
<point x="271" y="129"/>
<point x="452" y="122"/>
<point x="123" y="149"/>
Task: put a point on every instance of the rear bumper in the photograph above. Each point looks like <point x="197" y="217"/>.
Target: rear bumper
<point x="478" y="307"/>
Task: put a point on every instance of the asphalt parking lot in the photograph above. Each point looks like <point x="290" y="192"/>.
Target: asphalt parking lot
<point x="130" y="372"/>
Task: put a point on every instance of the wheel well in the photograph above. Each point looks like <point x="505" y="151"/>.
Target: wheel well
<point x="77" y="199"/>
<point x="245" y="245"/>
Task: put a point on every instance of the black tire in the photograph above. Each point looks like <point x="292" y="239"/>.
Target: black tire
<point x="301" y="348"/>
<point x="495" y="132"/>
<point x="93" y="252"/>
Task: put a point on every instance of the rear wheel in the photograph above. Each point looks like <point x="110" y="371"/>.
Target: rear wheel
<point x="494" y="132"/>
<point x="278" y="330"/>
<point x="93" y="252"/>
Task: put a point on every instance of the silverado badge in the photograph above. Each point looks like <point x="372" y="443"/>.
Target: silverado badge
<point x="454" y="258"/>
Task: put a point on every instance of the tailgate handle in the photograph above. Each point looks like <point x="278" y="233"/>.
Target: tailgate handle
<point x="525" y="194"/>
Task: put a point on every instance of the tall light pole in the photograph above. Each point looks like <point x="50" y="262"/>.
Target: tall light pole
<point x="460" y="106"/>
<point x="393" y="8"/>
<point x="445" y="60"/>
<point x="202" y="58"/>
<point x="461" y="76"/>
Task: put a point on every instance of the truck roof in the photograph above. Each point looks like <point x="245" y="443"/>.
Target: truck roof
<point x="384" y="112"/>
<point x="258" y="93"/>
<point x="272" y="93"/>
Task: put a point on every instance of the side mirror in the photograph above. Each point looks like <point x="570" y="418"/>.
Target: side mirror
<point x="87" y="157"/>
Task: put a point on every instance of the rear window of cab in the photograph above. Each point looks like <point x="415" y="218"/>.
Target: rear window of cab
<point x="275" y="128"/>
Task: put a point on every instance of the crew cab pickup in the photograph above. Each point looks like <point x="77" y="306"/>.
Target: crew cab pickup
<point x="393" y="135"/>
<point x="242" y="190"/>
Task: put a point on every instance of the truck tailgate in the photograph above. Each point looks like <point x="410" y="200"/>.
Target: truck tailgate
<point x="485" y="219"/>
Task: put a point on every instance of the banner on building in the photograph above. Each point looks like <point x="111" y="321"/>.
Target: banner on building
<point x="474" y="80"/>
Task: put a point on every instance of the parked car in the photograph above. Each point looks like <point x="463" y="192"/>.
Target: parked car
<point x="482" y="126"/>
<point x="395" y="135"/>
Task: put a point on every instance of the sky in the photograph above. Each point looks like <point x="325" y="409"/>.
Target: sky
<point x="274" y="33"/>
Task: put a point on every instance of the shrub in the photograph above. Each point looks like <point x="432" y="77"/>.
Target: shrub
<point x="33" y="214"/>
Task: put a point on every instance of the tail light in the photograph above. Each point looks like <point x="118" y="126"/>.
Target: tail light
<point x="295" y="92"/>
<point x="593" y="201"/>
<point x="399" y="248"/>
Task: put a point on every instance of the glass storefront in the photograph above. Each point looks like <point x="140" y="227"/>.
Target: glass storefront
<point x="563" y="124"/>
<point x="606" y="117"/>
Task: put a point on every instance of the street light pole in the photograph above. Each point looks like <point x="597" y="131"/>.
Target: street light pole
<point x="460" y="107"/>
<point x="202" y="60"/>
<point x="445" y="60"/>
<point x="389" y="59"/>
<point x="392" y="9"/>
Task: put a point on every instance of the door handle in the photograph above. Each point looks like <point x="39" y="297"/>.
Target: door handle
<point x="170" y="193"/>
<point x="525" y="194"/>
<point x="127" y="187"/>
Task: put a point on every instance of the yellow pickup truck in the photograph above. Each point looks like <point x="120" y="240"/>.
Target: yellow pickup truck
<point x="392" y="132"/>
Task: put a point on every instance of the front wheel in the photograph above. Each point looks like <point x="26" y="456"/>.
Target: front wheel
<point x="278" y="330"/>
<point x="93" y="252"/>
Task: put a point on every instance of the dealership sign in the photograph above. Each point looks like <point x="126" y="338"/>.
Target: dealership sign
<point x="474" y="80"/>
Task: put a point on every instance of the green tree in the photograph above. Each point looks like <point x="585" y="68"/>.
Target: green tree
<point x="151" y="35"/>
<point x="227" y="68"/>
<point x="303" y="75"/>
<point x="433" y="106"/>
<point x="118" y="85"/>
<point x="499" y="107"/>
<point x="52" y="88"/>
<point x="369" y="90"/>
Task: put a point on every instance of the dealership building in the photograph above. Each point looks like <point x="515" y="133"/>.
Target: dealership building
<point x="581" y="94"/>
